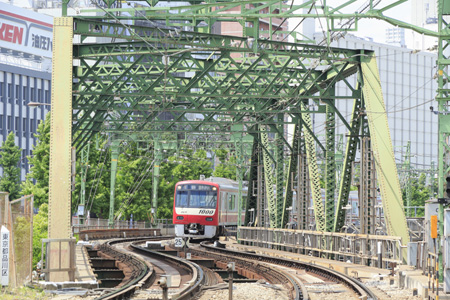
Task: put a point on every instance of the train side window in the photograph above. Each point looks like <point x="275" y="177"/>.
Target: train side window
<point x="232" y="200"/>
<point x="223" y="199"/>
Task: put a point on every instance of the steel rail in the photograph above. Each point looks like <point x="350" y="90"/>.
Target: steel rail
<point x="354" y="284"/>
<point x="274" y="275"/>
<point x="198" y="277"/>
<point x="144" y="270"/>
<point x="146" y="276"/>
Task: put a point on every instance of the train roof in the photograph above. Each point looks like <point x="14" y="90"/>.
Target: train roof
<point x="223" y="181"/>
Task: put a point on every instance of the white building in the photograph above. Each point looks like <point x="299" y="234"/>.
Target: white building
<point x="409" y="87"/>
<point x="424" y="14"/>
<point x="25" y="75"/>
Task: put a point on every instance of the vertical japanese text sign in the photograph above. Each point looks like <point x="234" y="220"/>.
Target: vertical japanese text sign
<point x="4" y="247"/>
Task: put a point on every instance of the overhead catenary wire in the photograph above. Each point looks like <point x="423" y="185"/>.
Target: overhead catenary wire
<point x="91" y="199"/>
<point x="130" y="198"/>
<point x="268" y="116"/>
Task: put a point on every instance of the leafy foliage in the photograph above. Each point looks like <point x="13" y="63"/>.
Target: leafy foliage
<point x="9" y="160"/>
<point x="227" y="166"/>
<point x="420" y="192"/>
<point x="188" y="167"/>
<point x="22" y="243"/>
<point x="40" y="231"/>
<point x="134" y="183"/>
<point x="97" y="180"/>
<point x="37" y="179"/>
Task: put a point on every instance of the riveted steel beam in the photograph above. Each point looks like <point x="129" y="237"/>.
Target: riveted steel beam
<point x="251" y="205"/>
<point x="290" y="174"/>
<point x="349" y="158"/>
<point x="314" y="174"/>
<point x="383" y="152"/>
<point x="330" y="167"/>
<point x="279" y="171"/>
<point x="60" y="147"/>
<point x="268" y="180"/>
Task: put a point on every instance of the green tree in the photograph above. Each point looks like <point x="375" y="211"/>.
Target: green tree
<point x="188" y="167"/>
<point x="420" y="192"/>
<point x="9" y="160"/>
<point x="40" y="231"/>
<point x="37" y="179"/>
<point x="227" y="166"/>
<point x="97" y="179"/>
<point x="134" y="183"/>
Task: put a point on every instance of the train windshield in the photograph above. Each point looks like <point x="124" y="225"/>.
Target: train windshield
<point x="196" y="196"/>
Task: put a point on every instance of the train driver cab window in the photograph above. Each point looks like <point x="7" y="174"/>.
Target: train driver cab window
<point x="196" y="196"/>
<point x="203" y="199"/>
<point x="182" y="199"/>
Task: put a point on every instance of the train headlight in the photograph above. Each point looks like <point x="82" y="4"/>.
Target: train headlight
<point x="214" y="188"/>
<point x="209" y="219"/>
<point x="180" y="217"/>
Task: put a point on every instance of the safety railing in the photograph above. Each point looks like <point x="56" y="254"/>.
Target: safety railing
<point x="433" y="275"/>
<point x="80" y="224"/>
<point x="356" y="248"/>
<point x="52" y="252"/>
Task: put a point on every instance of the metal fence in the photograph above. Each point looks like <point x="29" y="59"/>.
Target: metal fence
<point x="17" y="217"/>
<point x="356" y="248"/>
<point x="59" y="258"/>
<point x="79" y="224"/>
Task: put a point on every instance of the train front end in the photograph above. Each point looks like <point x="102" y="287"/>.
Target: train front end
<point x="195" y="209"/>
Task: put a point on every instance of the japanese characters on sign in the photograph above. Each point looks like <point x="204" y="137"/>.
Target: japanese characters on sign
<point x="25" y="31"/>
<point x="4" y="252"/>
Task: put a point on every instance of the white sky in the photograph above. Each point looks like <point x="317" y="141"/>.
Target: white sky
<point x="373" y="28"/>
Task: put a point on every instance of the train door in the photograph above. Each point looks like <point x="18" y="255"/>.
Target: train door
<point x="222" y="207"/>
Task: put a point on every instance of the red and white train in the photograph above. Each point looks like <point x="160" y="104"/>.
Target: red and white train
<point x="202" y="208"/>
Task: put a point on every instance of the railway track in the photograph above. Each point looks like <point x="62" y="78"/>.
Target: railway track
<point x="142" y="266"/>
<point x="356" y="286"/>
<point x="141" y="274"/>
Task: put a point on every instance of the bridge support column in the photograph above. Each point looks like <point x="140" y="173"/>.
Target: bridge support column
<point x="60" y="149"/>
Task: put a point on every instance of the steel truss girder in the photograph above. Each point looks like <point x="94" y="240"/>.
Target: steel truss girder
<point x="303" y="189"/>
<point x="383" y="152"/>
<point x="280" y="142"/>
<point x="252" y="181"/>
<point x="265" y="83"/>
<point x="132" y="84"/>
<point x="148" y="40"/>
<point x="349" y="158"/>
<point x="112" y="100"/>
<point x="314" y="175"/>
<point x="330" y="167"/>
<point x="249" y="11"/>
<point x="268" y="180"/>
<point x="291" y="171"/>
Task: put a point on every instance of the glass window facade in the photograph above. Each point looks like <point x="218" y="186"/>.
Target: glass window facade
<point x="15" y="115"/>
<point x="409" y="89"/>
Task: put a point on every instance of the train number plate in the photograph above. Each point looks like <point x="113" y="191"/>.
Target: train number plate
<point x="179" y="242"/>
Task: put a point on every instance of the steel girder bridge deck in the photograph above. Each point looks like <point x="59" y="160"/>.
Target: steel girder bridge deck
<point x="127" y="67"/>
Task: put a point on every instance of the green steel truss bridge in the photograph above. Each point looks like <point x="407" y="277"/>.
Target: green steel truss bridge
<point x="123" y="67"/>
